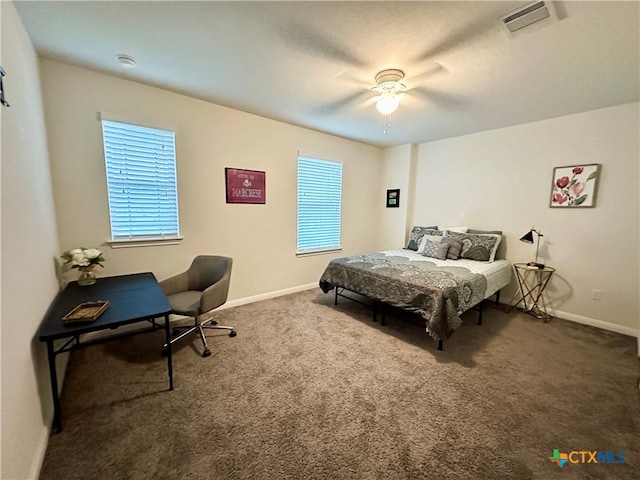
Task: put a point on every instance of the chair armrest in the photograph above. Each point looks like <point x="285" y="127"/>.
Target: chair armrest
<point x="175" y="284"/>
<point x="216" y="294"/>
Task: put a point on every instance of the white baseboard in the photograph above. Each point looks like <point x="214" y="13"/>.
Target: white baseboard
<point x="613" y="327"/>
<point x="38" y="457"/>
<point x="265" y="296"/>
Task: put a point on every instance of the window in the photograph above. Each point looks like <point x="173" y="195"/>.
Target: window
<point x="141" y="182"/>
<point x="319" y="204"/>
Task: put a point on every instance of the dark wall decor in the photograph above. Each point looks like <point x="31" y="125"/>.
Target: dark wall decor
<point x="245" y="186"/>
<point x="393" y="198"/>
<point x="3" y="101"/>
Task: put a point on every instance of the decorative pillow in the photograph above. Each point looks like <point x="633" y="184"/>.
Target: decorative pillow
<point x="416" y="236"/>
<point x="434" y="249"/>
<point x="457" y="229"/>
<point x="455" y="247"/>
<point x="481" y="247"/>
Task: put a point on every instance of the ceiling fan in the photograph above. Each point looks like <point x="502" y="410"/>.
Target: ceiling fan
<point x="389" y="85"/>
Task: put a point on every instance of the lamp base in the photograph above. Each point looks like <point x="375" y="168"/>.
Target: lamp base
<point x="539" y="266"/>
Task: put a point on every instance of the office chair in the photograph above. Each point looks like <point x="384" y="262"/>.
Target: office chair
<point x="198" y="291"/>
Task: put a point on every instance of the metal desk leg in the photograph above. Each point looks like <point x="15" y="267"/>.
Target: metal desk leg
<point x="57" y="420"/>
<point x="167" y="332"/>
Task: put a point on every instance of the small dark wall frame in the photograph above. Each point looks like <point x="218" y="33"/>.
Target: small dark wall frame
<point x="245" y="186"/>
<point x="393" y="198"/>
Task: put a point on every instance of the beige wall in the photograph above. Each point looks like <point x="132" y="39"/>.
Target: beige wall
<point x="398" y="167"/>
<point x="29" y="245"/>
<point x="501" y="179"/>
<point x="260" y="238"/>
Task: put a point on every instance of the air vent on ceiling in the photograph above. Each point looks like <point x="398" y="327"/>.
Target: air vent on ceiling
<point x="526" y="17"/>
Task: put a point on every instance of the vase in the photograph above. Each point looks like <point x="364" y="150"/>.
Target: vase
<point x="86" y="276"/>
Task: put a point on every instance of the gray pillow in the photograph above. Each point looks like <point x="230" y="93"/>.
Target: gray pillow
<point x="435" y="250"/>
<point x="481" y="247"/>
<point x="416" y="236"/>
<point x="455" y="247"/>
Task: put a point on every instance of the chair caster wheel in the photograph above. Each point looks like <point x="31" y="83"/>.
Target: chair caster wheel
<point x="233" y="333"/>
<point x="206" y="353"/>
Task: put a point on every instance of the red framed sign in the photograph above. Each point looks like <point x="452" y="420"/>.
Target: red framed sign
<point x="245" y="186"/>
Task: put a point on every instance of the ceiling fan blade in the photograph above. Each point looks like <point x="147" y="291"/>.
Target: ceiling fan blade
<point x="357" y="80"/>
<point x="460" y="38"/>
<point x="307" y="39"/>
<point x="440" y="99"/>
<point x="344" y="102"/>
<point x="433" y="71"/>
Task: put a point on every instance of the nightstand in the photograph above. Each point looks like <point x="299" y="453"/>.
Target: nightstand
<point x="531" y="284"/>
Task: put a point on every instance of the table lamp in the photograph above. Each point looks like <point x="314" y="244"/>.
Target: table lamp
<point x="528" y="238"/>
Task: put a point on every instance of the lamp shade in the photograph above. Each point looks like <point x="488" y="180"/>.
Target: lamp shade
<point x="527" y="237"/>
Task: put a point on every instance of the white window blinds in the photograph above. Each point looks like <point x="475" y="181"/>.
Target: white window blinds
<point x="319" y="204"/>
<point x="141" y="181"/>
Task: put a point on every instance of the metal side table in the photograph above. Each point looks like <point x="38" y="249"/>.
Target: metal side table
<point x="531" y="284"/>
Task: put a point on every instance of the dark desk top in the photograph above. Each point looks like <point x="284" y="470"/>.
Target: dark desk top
<point x="132" y="298"/>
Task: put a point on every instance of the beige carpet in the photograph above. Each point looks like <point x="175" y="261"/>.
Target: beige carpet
<point x="312" y="391"/>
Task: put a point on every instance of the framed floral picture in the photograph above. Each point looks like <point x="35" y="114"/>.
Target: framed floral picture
<point x="574" y="186"/>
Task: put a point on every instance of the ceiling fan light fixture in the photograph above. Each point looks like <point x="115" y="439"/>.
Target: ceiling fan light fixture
<point x="390" y="76"/>
<point x="388" y="103"/>
<point x="388" y="84"/>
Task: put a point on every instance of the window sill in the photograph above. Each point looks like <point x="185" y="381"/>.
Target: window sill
<point x="318" y="252"/>
<point x="147" y="242"/>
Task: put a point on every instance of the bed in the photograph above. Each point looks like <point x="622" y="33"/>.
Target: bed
<point x="440" y="290"/>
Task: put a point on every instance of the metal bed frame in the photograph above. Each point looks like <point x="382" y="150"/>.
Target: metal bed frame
<point x="385" y="307"/>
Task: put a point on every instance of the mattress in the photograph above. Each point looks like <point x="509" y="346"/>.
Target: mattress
<point x="497" y="273"/>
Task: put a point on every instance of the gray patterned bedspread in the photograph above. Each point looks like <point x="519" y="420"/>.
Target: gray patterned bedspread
<point x="439" y="294"/>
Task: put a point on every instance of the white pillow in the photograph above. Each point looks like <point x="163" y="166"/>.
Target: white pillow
<point x="457" y="229"/>
<point x="434" y="238"/>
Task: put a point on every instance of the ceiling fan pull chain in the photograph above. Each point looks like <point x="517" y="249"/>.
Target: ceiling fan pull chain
<point x="387" y="124"/>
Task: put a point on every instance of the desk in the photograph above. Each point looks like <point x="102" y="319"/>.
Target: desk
<point x="132" y="298"/>
<point x="531" y="285"/>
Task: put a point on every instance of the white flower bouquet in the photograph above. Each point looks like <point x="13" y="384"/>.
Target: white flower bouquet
<point x="83" y="257"/>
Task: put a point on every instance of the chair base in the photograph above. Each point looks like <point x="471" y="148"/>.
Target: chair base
<point x="211" y="324"/>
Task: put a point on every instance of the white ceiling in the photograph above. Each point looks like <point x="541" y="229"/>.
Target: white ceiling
<point x="313" y="63"/>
